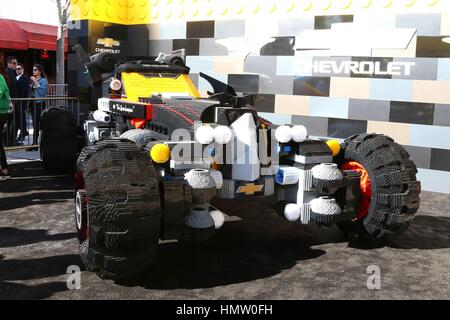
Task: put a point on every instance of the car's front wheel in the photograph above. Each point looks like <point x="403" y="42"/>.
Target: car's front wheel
<point x="117" y="209"/>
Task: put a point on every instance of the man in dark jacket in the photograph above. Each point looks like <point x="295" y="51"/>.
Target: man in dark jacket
<point x="23" y="91"/>
<point x="11" y="69"/>
<point x="11" y="64"/>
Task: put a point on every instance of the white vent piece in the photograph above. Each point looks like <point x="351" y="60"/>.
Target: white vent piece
<point x="325" y="205"/>
<point x="200" y="179"/>
<point x="327" y="171"/>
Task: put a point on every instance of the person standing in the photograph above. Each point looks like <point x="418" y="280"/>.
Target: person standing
<point x="39" y="90"/>
<point x="5" y="111"/>
<point x="23" y="91"/>
<point x="11" y="64"/>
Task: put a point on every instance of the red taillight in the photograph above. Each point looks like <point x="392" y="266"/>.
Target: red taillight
<point x="148" y="111"/>
<point x="364" y="185"/>
<point x="138" y="123"/>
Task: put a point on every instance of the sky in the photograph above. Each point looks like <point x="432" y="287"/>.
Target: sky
<point x="38" y="11"/>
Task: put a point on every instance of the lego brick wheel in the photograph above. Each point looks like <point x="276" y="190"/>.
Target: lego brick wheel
<point x="140" y="137"/>
<point x="389" y="188"/>
<point x="58" y="140"/>
<point x="117" y="209"/>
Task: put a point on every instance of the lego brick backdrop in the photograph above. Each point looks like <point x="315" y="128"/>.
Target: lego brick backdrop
<point x="338" y="74"/>
<point x="335" y="74"/>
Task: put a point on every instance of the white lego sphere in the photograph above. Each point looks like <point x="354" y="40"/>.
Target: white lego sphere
<point x="204" y="134"/>
<point x="222" y="134"/>
<point x="299" y="133"/>
<point x="292" y="212"/>
<point x="283" y="134"/>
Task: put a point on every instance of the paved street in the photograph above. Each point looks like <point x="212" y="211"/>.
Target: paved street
<point x="260" y="257"/>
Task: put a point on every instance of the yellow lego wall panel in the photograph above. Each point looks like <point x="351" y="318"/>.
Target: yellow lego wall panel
<point x="113" y="11"/>
<point x="148" y="11"/>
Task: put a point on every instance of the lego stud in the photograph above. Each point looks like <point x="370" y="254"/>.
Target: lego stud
<point x="292" y="212"/>
<point x="335" y="146"/>
<point x="299" y="133"/>
<point x="160" y="153"/>
<point x="204" y="134"/>
<point x="283" y="134"/>
<point x="222" y="134"/>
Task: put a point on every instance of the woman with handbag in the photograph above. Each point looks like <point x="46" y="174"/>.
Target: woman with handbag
<point x="40" y="88"/>
<point x="6" y="108"/>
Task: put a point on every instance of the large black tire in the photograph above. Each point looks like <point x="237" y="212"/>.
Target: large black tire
<point x="123" y="209"/>
<point x="140" y="137"/>
<point x="395" y="189"/>
<point x="59" y="141"/>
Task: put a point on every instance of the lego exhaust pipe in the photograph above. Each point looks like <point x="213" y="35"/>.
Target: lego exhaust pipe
<point x="101" y="116"/>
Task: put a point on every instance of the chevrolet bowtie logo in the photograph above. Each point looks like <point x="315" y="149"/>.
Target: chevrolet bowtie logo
<point x="108" y="42"/>
<point x="250" y="188"/>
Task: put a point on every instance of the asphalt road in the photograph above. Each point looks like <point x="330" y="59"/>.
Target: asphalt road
<point x="260" y="257"/>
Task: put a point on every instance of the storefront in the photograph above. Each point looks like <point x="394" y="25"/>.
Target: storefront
<point x="31" y="43"/>
<point x="337" y="67"/>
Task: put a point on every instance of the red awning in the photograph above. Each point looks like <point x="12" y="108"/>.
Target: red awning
<point x="21" y="35"/>
<point x="12" y="36"/>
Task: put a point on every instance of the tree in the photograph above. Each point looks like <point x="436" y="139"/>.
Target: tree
<point x="63" y="15"/>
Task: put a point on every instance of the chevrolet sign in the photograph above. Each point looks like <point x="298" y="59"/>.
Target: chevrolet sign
<point x="362" y="67"/>
<point x="108" y="44"/>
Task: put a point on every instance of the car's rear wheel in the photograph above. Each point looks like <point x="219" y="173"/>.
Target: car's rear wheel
<point x="59" y="141"/>
<point x="389" y="188"/>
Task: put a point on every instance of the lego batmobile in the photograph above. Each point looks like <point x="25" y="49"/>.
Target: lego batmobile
<point x="153" y="155"/>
